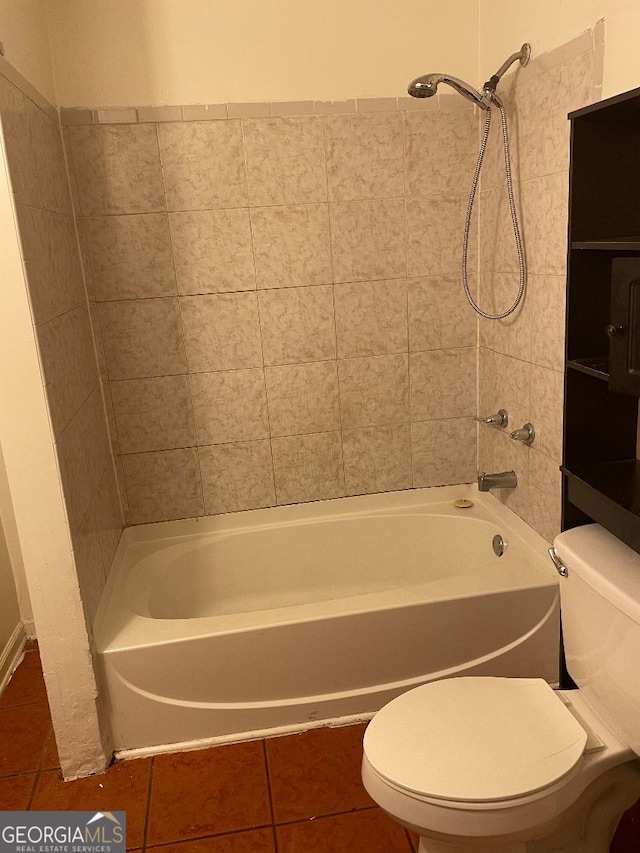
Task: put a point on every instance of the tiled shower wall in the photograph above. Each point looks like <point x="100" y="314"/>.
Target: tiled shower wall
<point x="521" y="358"/>
<point x="60" y="315"/>
<point x="278" y="301"/>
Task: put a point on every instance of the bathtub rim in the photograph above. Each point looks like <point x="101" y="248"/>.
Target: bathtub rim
<point x="117" y="628"/>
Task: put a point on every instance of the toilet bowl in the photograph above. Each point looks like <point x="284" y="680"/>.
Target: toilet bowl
<point x="498" y="764"/>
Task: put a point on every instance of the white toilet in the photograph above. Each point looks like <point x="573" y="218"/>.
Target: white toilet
<point x="509" y="765"/>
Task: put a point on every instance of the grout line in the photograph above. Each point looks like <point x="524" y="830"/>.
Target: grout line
<point x="411" y="847"/>
<point x="270" y="795"/>
<point x="148" y="809"/>
<point x="32" y="794"/>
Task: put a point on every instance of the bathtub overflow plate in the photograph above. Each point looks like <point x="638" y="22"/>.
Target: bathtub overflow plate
<point x="499" y="545"/>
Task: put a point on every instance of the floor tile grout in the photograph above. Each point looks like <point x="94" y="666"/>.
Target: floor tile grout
<point x="270" y="795"/>
<point x="148" y="809"/>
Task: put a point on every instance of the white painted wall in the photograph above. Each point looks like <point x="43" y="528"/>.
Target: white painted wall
<point x="25" y="35"/>
<point x="36" y="496"/>
<point x="9" y="611"/>
<point x="622" y="41"/>
<point x="546" y="24"/>
<point x="137" y="52"/>
<point x="13" y="566"/>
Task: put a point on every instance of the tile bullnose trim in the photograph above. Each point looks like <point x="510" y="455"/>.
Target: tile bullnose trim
<point x="75" y="116"/>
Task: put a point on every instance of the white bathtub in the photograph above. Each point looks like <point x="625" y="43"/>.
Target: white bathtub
<point x="277" y="619"/>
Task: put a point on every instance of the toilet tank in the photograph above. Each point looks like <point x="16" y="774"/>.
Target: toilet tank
<point x="600" y="605"/>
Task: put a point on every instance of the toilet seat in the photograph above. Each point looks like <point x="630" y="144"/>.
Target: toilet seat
<point x="475" y="740"/>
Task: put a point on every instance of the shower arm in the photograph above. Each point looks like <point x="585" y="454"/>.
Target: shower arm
<point x="522" y="56"/>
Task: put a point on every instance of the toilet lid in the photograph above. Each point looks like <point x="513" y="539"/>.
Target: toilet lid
<point x="475" y="739"/>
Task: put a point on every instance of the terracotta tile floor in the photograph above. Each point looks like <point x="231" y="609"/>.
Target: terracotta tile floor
<point x="295" y="794"/>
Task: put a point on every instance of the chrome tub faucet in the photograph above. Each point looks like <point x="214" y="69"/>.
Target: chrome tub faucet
<point x="503" y="480"/>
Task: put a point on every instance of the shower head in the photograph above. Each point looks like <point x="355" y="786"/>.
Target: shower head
<point x="427" y="86"/>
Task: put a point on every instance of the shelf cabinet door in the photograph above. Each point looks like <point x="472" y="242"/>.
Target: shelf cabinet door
<point x="624" y="330"/>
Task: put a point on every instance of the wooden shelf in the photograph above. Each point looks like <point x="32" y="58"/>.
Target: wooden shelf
<point x="598" y="367"/>
<point x="609" y="493"/>
<point x="623" y="244"/>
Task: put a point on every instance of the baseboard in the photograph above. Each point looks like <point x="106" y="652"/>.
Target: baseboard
<point x="11" y="655"/>
<point x="29" y="627"/>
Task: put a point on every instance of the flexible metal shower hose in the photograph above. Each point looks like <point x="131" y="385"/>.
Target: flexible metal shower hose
<point x="514" y="219"/>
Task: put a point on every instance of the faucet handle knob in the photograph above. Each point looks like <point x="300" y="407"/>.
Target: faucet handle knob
<point x="526" y="434"/>
<point x="500" y="419"/>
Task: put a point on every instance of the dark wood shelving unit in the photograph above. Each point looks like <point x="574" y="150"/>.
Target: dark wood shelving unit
<point x="627" y="244"/>
<point x="601" y="473"/>
<point x="597" y="367"/>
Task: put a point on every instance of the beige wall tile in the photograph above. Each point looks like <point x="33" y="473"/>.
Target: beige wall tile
<point x="111" y="418"/>
<point x="256" y="109"/>
<point x="153" y="414"/>
<point x="303" y="398"/>
<point x="511" y="455"/>
<point x="371" y="318"/>
<point x="544" y="505"/>
<point x="368" y="239"/>
<point x="291" y="245"/>
<point x="544" y="204"/>
<point x="365" y="156"/>
<point x="115" y="116"/>
<point x="377" y="459"/>
<point x="547" y="295"/>
<point x="497" y="247"/>
<point x="334" y="107"/>
<point x="50" y="163"/>
<point x="87" y="555"/>
<point x="297" y="324"/>
<point x="376" y="105"/>
<point x="435" y="226"/>
<point x="122" y="490"/>
<point x="285" y="160"/>
<point x="237" y="476"/>
<point x="130" y="256"/>
<point x="34" y="152"/>
<point x="308" y="467"/>
<point x="163" y="485"/>
<point x="142" y="337"/>
<point x="117" y="169"/>
<point x="292" y="108"/>
<point x="439" y="315"/>
<point x="98" y="342"/>
<point x="17" y="126"/>
<point x="229" y="406"/>
<point x="504" y="383"/>
<point x="203" y="164"/>
<point x="579" y="74"/>
<point x="493" y="173"/>
<point x="50" y="253"/>
<point x="513" y="334"/>
<point x="221" y="331"/>
<point x="374" y="391"/>
<point x="547" y="390"/>
<point x="83" y="454"/>
<point x="69" y="364"/>
<point x="74" y="115"/>
<point x="159" y="114"/>
<point x="444" y="452"/>
<point x="108" y="516"/>
<point x="441" y="151"/>
<point x="212" y="251"/>
<point x="443" y="384"/>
